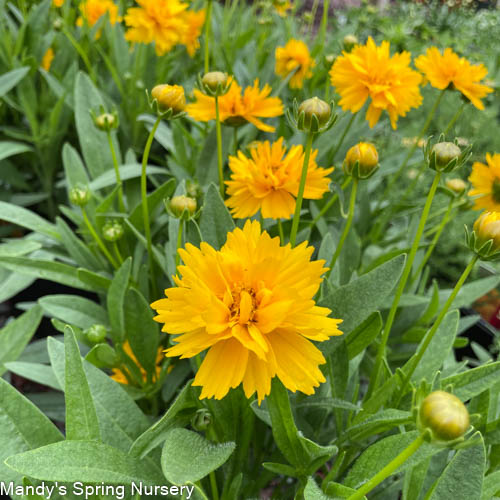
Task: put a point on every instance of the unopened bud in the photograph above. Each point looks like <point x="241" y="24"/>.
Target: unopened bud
<point x="57" y="24"/>
<point x="215" y="80"/>
<point x="361" y="161"/>
<point x="179" y="205"/>
<point x="106" y="121"/>
<point x="486" y="228"/>
<point x="201" y="420"/>
<point x="349" y="42"/>
<point x="96" y="333"/>
<point x="315" y="111"/>
<point x="112" y="230"/>
<point x="458" y="186"/>
<point x="169" y="97"/>
<point x="445" y="152"/>
<point x="79" y="195"/>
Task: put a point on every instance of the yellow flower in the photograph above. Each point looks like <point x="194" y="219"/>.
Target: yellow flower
<point x="47" y="59"/>
<point x="237" y="109"/>
<point x="282" y="6"/>
<point x="57" y="3"/>
<point x="294" y="58"/>
<point x="487" y="227"/>
<point x="119" y="376"/>
<point x="251" y="305"/>
<point x="485" y="180"/>
<point x="92" y="10"/>
<point x="369" y="71"/>
<point x="159" y="21"/>
<point x="169" y="97"/>
<point x="269" y="180"/>
<point x="449" y="69"/>
<point x="194" y="22"/>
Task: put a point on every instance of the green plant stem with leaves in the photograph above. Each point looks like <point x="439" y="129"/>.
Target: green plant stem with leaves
<point x="330" y="203"/>
<point x="219" y="147"/>
<point x="374" y="379"/>
<point x="389" y="469"/>
<point x="81" y="52"/>
<point x="98" y="240"/>
<point x="144" y="199"/>
<point x="117" y="172"/>
<point x="302" y="186"/>
<point x="208" y="21"/>
<point x="345" y="232"/>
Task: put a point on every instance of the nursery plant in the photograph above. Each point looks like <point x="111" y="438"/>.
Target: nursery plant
<point x="248" y="208"/>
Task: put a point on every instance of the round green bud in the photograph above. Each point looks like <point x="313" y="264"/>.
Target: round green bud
<point x="57" y="24"/>
<point x="317" y="108"/>
<point x="112" y="230"/>
<point x="96" y="334"/>
<point x="214" y="80"/>
<point x="363" y="155"/>
<point x="445" y="415"/>
<point x="79" y="195"/>
<point x="179" y="204"/>
<point x="169" y="97"/>
<point x="445" y="153"/>
<point x="201" y="420"/>
<point x="106" y="121"/>
<point x="458" y="186"/>
<point x="349" y="42"/>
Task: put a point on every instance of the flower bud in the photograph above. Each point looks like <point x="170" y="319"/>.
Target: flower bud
<point x="201" y="420"/>
<point x="486" y="228"/>
<point x="214" y="80"/>
<point x="169" y="97"/>
<point x="180" y="204"/>
<point x="349" y="42"/>
<point x="458" y="186"/>
<point x="445" y="415"/>
<point x="112" y="230"/>
<point x="316" y="114"/>
<point x="106" y="121"/>
<point x="96" y="333"/>
<point x="446" y="152"/>
<point x="79" y="195"/>
<point x="361" y="161"/>
<point x="57" y="24"/>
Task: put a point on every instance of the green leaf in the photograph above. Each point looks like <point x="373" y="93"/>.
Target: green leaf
<point x="85" y="461"/>
<point x="116" y="300"/>
<point x="462" y="479"/>
<point x="97" y="281"/>
<point x="11" y="148"/>
<point x="155" y="435"/>
<point x="10" y="79"/>
<point x="313" y="492"/>
<point x="81" y="417"/>
<point x="470" y="291"/>
<point x="142" y="330"/>
<point x="25" y="218"/>
<point x="189" y="457"/>
<point x="413" y="484"/>
<point x="491" y="486"/>
<point x="74" y="310"/>
<point x="23" y="427"/>
<point x="41" y="374"/>
<point x="102" y="356"/>
<point x="472" y="382"/>
<point x="360" y="338"/>
<point x="15" y="336"/>
<point x="130" y="171"/>
<point x="44" y="269"/>
<point x="12" y="284"/>
<point x="16" y="248"/>
<point x="120" y="419"/>
<point x="93" y="142"/>
<point x="74" y="169"/>
<point x="215" y="221"/>
<point x="355" y="301"/>
<point x="282" y="469"/>
<point x="438" y="349"/>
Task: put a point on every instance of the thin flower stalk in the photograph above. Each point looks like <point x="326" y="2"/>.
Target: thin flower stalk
<point x="208" y="21"/>
<point x="330" y="202"/>
<point x="117" y="172"/>
<point x="219" y="147"/>
<point x="342" y="137"/>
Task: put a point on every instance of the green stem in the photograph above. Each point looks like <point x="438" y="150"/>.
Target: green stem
<point x="313" y="16"/>
<point x="219" y="147"/>
<point x="179" y="243"/>
<point x="144" y="197"/>
<point x="427" y="124"/>
<point x="389" y="469"/>
<point x="430" y="334"/>
<point x="81" y="52"/>
<point x="117" y="252"/>
<point x="456" y="116"/>
<point x="98" y="240"/>
<point x="208" y="21"/>
<point x="235" y="140"/>
<point x="324" y="21"/>
<point x="280" y="229"/>
<point x="213" y="485"/>
<point x="401" y="286"/>
<point x="117" y="172"/>
<point x="434" y="241"/>
<point x="347" y="226"/>
<point x="332" y="200"/>
<point x="302" y="186"/>
<point x="344" y="133"/>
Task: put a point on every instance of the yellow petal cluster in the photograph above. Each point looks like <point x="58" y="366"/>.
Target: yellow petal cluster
<point x="57" y="3"/>
<point x="369" y="72"/>
<point x="485" y="180"/>
<point x="251" y="304"/>
<point x="47" y="59"/>
<point x="269" y="180"/>
<point x="167" y="23"/>
<point x="294" y="58"/>
<point x="92" y="10"/>
<point x="237" y="108"/>
<point x="448" y="69"/>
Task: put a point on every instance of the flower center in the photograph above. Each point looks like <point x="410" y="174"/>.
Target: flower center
<point x="495" y="190"/>
<point x="244" y="304"/>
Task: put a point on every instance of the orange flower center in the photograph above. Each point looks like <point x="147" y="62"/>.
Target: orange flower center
<point x="244" y="305"/>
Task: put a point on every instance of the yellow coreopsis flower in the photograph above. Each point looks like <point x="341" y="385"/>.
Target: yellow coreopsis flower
<point x="47" y="59"/>
<point x="160" y="21"/>
<point x="237" y="109"/>
<point x="92" y="10"/>
<point x="485" y="180"/>
<point x="251" y="304"/>
<point x="369" y="72"/>
<point x="119" y="376"/>
<point x="448" y="69"/>
<point x="269" y="180"/>
<point x="294" y="58"/>
<point x="194" y="24"/>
